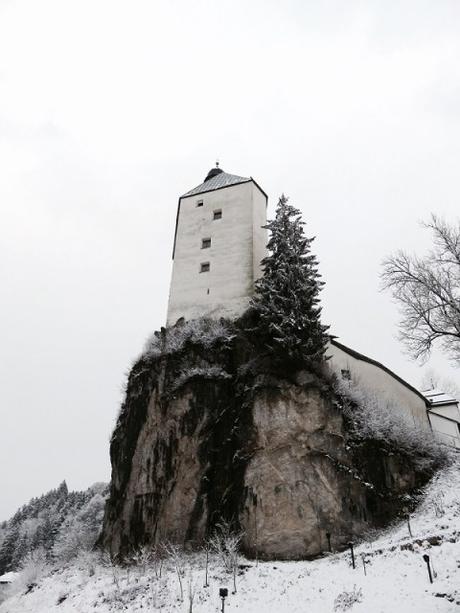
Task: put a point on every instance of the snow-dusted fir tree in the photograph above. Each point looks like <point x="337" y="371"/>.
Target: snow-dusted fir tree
<point x="286" y="297"/>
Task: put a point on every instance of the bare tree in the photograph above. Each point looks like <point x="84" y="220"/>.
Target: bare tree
<point x="158" y="559"/>
<point x="206" y="549"/>
<point x="226" y="544"/>
<point x="112" y="561"/>
<point x="432" y="380"/>
<point x="428" y="292"/>
<point x="177" y="558"/>
<point x="142" y="558"/>
<point x="191" y="592"/>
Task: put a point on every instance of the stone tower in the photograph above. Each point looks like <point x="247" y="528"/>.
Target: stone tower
<point x="218" y="247"/>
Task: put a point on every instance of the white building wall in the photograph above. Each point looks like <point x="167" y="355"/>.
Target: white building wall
<point x="259" y="236"/>
<point x="447" y="410"/>
<point x="445" y="430"/>
<point x="376" y="380"/>
<point x="237" y="245"/>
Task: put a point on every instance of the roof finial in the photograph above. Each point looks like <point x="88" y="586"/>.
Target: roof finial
<point x="214" y="171"/>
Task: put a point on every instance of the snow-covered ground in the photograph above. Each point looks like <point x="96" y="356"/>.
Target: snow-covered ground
<point x="8" y="577"/>
<point x="396" y="578"/>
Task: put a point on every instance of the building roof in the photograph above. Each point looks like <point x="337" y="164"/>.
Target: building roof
<point x="437" y="397"/>
<point x="216" y="179"/>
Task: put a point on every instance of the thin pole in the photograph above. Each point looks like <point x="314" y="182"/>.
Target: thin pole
<point x="350" y="544"/>
<point x="408" y="525"/>
<point x="426" y="557"/>
<point x="207" y="560"/>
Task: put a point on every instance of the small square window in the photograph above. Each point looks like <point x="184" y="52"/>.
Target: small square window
<point x="218" y="214"/>
<point x="346" y="374"/>
<point x="205" y="243"/>
<point x="204" y="267"/>
<point x="199" y="203"/>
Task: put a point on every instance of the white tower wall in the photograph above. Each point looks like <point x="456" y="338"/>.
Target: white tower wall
<point x="238" y="244"/>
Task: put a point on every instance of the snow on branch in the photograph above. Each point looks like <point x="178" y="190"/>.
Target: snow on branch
<point x="205" y="332"/>
<point x="195" y="372"/>
<point x="375" y="418"/>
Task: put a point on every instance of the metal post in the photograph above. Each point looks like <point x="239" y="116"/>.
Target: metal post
<point x="364" y="563"/>
<point x="350" y="545"/>
<point x="328" y="536"/>
<point x="426" y="557"/>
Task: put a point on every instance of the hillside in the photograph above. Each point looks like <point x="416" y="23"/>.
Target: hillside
<point x="396" y="576"/>
<point x="52" y="527"/>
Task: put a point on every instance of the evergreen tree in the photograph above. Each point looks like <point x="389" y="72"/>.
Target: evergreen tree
<point x="8" y="549"/>
<point x="62" y="491"/>
<point x="286" y="297"/>
<point x="22" y="548"/>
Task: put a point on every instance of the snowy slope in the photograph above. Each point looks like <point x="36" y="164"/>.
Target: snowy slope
<point x="396" y="577"/>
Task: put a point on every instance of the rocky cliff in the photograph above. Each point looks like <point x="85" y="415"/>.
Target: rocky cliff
<point x="210" y="432"/>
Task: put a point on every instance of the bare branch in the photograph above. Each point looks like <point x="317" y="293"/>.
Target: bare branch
<point x="177" y="557"/>
<point x="428" y="292"/>
<point x="226" y="543"/>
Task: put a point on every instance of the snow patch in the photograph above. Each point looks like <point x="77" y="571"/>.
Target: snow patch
<point x="390" y="575"/>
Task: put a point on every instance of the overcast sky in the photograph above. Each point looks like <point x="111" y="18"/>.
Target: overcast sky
<point x="109" y="110"/>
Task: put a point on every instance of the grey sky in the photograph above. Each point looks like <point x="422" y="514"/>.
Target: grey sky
<point x="109" y="110"/>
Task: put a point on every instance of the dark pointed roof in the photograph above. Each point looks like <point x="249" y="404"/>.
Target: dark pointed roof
<point x="213" y="172"/>
<point x="216" y="179"/>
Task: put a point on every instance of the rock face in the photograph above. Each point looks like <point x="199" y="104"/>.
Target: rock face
<point x="205" y="436"/>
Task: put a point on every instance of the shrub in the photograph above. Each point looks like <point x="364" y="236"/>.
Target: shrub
<point x="345" y="600"/>
<point x="203" y="331"/>
<point x="374" y="418"/>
